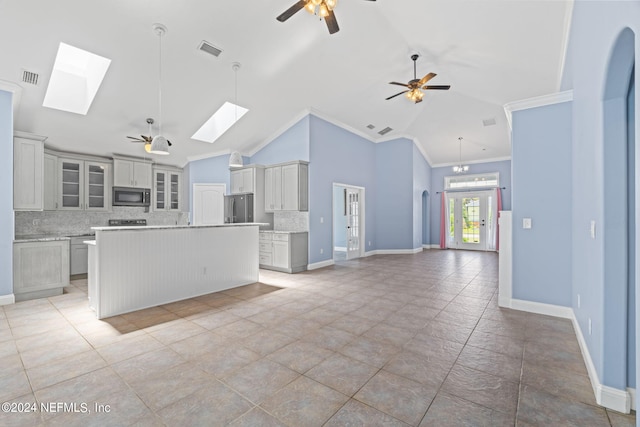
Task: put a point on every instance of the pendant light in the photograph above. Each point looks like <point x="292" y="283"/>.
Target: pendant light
<point x="159" y="144"/>
<point x="460" y="168"/>
<point x="235" y="159"/>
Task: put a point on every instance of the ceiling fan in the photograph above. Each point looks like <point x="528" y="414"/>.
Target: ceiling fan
<point x="322" y="8"/>
<point x="146" y="139"/>
<point x="413" y="92"/>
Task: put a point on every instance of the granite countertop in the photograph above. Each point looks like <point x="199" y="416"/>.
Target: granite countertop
<point x="48" y="237"/>
<point x="282" y="231"/>
<point x="160" y="227"/>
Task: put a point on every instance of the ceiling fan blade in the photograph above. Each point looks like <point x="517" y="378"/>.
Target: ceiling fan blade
<point x="332" y="24"/>
<point x="399" y="84"/>
<point x="289" y="12"/>
<point x="438" y="87"/>
<point x="393" y="96"/>
<point x="426" y="78"/>
<point x="136" y="139"/>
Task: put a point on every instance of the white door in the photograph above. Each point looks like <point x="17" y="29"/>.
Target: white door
<point x="353" y="223"/>
<point x="208" y="204"/>
<point x="468" y="220"/>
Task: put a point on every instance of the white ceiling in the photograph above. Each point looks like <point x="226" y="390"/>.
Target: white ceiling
<point x="490" y="52"/>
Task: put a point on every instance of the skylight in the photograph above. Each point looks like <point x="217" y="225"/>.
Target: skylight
<point x="220" y="122"/>
<point x="75" y="79"/>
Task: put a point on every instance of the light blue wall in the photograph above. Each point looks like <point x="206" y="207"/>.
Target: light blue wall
<point x="337" y="156"/>
<point x="6" y="193"/>
<point x="437" y="185"/>
<point x="339" y="218"/>
<point x="213" y="170"/>
<point x="541" y="157"/>
<point x="293" y="144"/>
<point x="394" y="195"/>
<point x="595" y="28"/>
<point x="421" y="183"/>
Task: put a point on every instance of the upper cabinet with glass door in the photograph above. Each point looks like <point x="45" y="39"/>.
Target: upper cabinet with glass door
<point x="166" y="189"/>
<point x="83" y="185"/>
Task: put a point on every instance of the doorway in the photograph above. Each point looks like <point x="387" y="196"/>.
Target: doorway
<point x="469" y="214"/>
<point x="348" y="222"/>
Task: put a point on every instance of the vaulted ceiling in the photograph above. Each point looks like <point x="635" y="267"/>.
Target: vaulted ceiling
<point x="490" y="52"/>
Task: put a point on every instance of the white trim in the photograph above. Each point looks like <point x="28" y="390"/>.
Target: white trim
<point x="340" y="248"/>
<point x="473" y="162"/>
<point x="394" y="251"/>
<point x="321" y="264"/>
<point x="340" y="124"/>
<point x="565" y="41"/>
<point x="542" y="308"/>
<point x="538" y="101"/>
<point x="16" y="90"/>
<point x="431" y="246"/>
<point x="632" y="394"/>
<point x="7" y="299"/>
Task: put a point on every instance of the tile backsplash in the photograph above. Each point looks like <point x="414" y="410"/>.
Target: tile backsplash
<point x="291" y="221"/>
<point x="80" y="222"/>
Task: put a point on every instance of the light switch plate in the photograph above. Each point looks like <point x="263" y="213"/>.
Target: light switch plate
<point x="526" y="223"/>
<point x="593" y="229"/>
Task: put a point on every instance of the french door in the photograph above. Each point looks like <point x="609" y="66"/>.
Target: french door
<point x="468" y="220"/>
<point x="353" y="222"/>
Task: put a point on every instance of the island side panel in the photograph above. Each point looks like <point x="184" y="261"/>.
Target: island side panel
<point x="144" y="268"/>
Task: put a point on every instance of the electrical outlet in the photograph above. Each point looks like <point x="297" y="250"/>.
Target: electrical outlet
<point x="526" y="223"/>
<point x="589" y="326"/>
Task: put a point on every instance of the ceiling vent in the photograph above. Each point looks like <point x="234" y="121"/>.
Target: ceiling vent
<point x="489" y="122"/>
<point x="30" y="77"/>
<point x="370" y="126"/>
<point x="205" y="46"/>
<point x="385" y="131"/>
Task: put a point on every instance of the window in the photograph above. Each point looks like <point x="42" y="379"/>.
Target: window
<point x="459" y="182"/>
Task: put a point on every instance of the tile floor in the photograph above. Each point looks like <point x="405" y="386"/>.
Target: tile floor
<point x="389" y="340"/>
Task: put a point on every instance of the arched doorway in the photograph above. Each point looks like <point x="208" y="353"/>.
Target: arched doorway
<point x="620" y="241"/>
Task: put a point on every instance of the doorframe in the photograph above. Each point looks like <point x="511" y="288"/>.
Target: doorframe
<point x="361" y="197"/>
<point x="474" y="193"/>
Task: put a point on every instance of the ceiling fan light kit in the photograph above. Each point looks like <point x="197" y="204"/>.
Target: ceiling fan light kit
<point x="414" y="87"/>
<point x="321" y="8"/>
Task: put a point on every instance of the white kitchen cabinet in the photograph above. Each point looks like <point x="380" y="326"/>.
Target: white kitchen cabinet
<point x="28" y="172"/>
<point x="131" y="173"/>
<point x="166" y="189"/>
<point x="82" y="185"/>
<point x="242" y="180"/>
<point x="287" y="187"/>
<point x="283" y="251"/>
<point x="50" y="185"/>
<point x="78" y="254"/>
<point x="40" y="268"/>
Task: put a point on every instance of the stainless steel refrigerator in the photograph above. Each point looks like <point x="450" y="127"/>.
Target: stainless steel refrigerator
<point x="238" y="208"/>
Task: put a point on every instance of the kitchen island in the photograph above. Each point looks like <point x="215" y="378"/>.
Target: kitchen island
<point x="131" y="268"/>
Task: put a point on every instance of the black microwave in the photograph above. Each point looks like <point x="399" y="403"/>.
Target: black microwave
<point x="125" y="196"/>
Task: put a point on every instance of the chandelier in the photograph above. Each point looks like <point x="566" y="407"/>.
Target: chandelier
<point x="320" y="7"/>
<point x="460" y="168"/>
<point x="415" y="95"/>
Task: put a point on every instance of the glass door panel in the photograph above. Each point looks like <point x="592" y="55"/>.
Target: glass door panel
<point x="160" y="190"/>
<point x="70" y="185"/>
<point x="175" y="200"/>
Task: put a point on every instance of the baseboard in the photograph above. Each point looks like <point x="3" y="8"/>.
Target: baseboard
<point x="541" y="308"/>
<point x="7" y="299"/>
<point x="436" y="246"/>
<point x="632" y="394"/>
<point x="609" y="397"/>
<point x="321" y="264"/>
<point x="394" y="252"/>
<point x="340" y="248"/>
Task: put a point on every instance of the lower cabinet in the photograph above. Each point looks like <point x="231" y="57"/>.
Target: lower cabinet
<point x="79" y="254"/>
<point x="284" y="251"/>
<point x="40" y="268"/>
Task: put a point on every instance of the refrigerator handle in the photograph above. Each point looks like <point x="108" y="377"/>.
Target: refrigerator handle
<point x="233" y="209"/>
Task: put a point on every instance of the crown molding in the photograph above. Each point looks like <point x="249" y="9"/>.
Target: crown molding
<point x="538" y="101"/>
<point x="565" y="41"/>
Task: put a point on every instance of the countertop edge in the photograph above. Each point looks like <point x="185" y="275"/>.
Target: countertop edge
<point x="173" y="227"/>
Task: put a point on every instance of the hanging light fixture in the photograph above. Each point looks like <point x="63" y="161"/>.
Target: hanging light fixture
<point x="320" y="7"/>
<point x="460" y="168"/>
<point x="159" y="144"/>
<point x="235" y="160"/>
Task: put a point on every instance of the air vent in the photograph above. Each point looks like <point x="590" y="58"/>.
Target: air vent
<point x="205" y="46"/>
<point x="370" y="126"/>
<point x="385" y="131"/>
<point x="30" y="77"/>
<point x="489" y="122"/>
